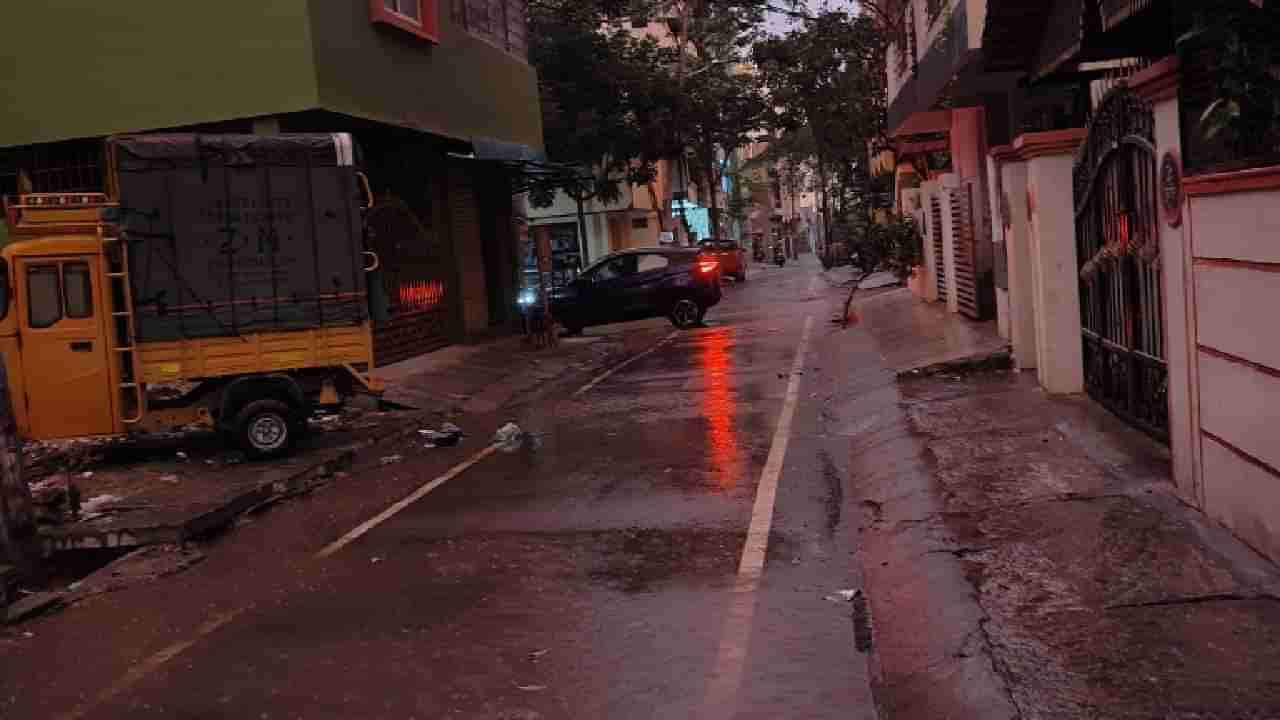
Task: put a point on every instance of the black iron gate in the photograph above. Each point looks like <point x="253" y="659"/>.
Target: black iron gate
<point x="1118" y="243"/>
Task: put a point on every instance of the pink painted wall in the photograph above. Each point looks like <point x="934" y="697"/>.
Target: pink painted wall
<point x="969" y="143"/>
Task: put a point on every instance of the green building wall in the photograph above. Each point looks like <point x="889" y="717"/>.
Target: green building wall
<point x="87" y="68"/>
<point x="461" y="88"/>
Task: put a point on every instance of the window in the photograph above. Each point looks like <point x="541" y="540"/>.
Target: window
<point x="498" y="22"/>
<point x="79" y="289"/>
<point x="652" y="262"/>
<point x="411" y="9"/>
<point x="44" y="296"/>
<point x="617" y="267"/>
<point x="418" y="17"/>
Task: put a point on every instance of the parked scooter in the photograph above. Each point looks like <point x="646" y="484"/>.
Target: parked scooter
<point x="779" y="255"/>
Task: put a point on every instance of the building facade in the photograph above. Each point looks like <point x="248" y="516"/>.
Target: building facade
<point x="1136" y="246"/>
<point x="428" y="87"/>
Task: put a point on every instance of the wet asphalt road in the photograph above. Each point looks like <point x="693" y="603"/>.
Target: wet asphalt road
<point x="594" y="577"/>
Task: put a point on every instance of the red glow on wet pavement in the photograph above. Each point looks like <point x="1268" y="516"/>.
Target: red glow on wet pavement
<point x="719" y="405"/>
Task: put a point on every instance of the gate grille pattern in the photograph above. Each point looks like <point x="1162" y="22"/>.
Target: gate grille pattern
<point x="1118" y="244"/>
<point x="965" y="252"/>
<point x="935" y="227"/>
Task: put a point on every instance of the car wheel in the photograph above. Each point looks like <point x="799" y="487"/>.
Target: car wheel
<point x="267" y="429"/>
<point x="686" y="314"/>
<point x="741" y="276"/>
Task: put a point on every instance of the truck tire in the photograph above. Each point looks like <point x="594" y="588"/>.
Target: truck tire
<point x="266" y="429"/>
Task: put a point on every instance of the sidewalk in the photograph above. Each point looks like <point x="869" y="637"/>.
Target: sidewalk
<point x="485" y="378"/>
<point x="1026" y="556"/>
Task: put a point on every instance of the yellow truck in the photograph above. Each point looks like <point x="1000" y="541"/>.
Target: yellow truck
<point x="219" y="281"/>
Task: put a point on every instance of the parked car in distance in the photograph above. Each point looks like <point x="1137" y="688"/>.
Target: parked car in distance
<point x="733" y="259"/>
<point x="676" y="283"/>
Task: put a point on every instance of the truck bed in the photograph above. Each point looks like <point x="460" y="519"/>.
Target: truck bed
<point x="189" y="360"/>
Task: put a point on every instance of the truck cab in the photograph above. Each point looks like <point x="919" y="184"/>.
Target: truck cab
<point x="53" y="319"/>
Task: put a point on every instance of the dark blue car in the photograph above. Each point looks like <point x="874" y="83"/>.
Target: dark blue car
<point x="676" y="283"/>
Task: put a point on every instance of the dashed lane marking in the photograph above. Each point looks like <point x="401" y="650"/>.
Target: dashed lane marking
<point x="150" y="665"/>
<point x="610" y="372"/>
<point x="363" y="528"/>
<point x="735" y="639"/>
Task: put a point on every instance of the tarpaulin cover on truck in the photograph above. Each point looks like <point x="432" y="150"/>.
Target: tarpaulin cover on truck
<point x="237" y="234"/>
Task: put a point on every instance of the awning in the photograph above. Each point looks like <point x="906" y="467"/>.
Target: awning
<point x="491" y="149"/>
<point x="525" y="164"/>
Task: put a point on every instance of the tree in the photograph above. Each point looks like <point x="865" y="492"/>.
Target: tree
<point x="617" y="104"/>
<point x="829" y="77"/>
<point x="593" y="84"/>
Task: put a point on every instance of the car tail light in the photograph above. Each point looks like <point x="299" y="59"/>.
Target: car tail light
<point x="708" y="266"/>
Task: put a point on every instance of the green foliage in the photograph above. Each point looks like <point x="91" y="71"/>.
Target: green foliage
<point x="1245" y="49"/>
<point x="894" y="245"/>
<point x="616" y="103"/>
<point x="597" y="86"/>
<point x="829" y="77"/>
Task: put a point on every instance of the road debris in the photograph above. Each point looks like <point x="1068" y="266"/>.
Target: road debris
<point x="509" y="438"/>
<point x="170" y="479"/>
<point x="447" y="436"/>
<point x="391" y="459"/>
<point x="531" y="688"/>
<point x="844" y="596"/>
<point x="537" y="654"/>
<point x="98" y="504"/>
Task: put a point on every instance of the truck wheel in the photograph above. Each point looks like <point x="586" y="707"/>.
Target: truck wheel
<point x="267" y="429"/>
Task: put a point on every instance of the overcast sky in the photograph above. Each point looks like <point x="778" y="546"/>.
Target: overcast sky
<point x="779" y="24"/>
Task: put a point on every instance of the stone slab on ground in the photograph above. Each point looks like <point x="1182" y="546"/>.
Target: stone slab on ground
<point x="189" y="490"/>
<point x="32" y="605"/>
<point x="1101" y="594"/>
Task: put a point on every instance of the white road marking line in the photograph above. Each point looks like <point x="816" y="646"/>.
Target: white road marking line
<point x="150" y="665"/>
<point x="417" y="495"/>
<point x="735" y="638"/>
<point x="609" y="373"/>
<point x="752" y="564"/>
<point x="813" y="284"/>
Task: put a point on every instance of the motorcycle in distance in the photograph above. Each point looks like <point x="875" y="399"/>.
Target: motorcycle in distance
<point x="779" y="255"/>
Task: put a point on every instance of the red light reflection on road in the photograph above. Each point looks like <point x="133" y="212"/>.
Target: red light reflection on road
<point x="719" y="406"/>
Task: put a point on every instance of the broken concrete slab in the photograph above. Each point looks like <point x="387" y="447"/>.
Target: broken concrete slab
<point x="138" y="567"/>
<point x="985" y="361"/>
<point x="33" y="605"/>
<point x="205" y="501"/>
